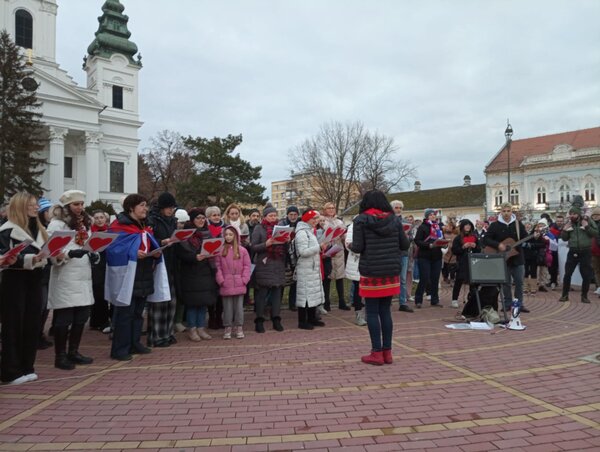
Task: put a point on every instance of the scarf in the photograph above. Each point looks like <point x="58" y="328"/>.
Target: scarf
<point x="377" y="213"/>
<point x="275" y="251"/>
<point x="95" y="228"/>
<point x="81" y="233"/>
<point x="216" y="229"/>
<point x="434" y="230"/>
<point x="198" y="237"/>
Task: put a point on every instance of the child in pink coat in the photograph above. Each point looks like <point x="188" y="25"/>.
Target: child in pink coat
<point x="233" y="274"/>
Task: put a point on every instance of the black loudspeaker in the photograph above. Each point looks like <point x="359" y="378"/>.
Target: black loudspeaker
<point x="487" y="269"/>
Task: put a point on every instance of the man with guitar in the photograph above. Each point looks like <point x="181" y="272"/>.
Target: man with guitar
<point x="505" y="236"/>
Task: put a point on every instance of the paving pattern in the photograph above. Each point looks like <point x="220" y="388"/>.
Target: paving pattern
<point x="535" y="390"/>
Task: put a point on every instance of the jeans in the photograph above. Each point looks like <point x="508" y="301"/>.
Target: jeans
<point x="403" y="272"/>
<point x="379" y="321"/>
<point x="356" y="298"/>
<point x="416" y="273"/>
<point x="517" y="274"/>
<point x="127" y="327"/>
<point x="583" y="258"/>
<point x="195" y="316"/>
<point x="430" y="278"/>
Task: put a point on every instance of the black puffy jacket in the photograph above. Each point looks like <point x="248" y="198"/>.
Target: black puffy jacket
<point x="378" y="239"/>
<point x="425" y="250"/>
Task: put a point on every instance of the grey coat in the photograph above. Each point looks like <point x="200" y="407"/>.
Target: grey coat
<point x="309" y="288"/>
<point x="270" y="269"/>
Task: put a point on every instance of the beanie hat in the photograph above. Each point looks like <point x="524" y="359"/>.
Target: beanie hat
<point x="309" y="215"/>
<point x="429" y="212"/>
<point x="543" y="221"/>
<point x="575" y="210"/>
<point x="268" y="210"/>
<point x="44" y="204"/>
<point x="253" y="210"/>
<point x="182" y="216"/>
<point x="165" y="200"/>
<point x="72" y="196"/>
<point x="596" y="211"/>
<point x="194" y="212"/>
<point x="292" y="209"/>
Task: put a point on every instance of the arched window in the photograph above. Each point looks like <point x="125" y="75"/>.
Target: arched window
<point x="23" y="29"/>
<point x="514" y="196"/>
<point x="589" y="192"/>
<point x="564" y="193"/>
<point x="498" y="198"/>
<point x="541" y="195"/>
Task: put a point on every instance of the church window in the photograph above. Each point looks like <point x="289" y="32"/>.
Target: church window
<point x="117" y="177"/>
<point x="69" y="167"/>
<point x="589" y="192"/>
<point x="514" y="196"/>
<point x="498" y="198"/>
<point x="564" y="193"/>
<point x="541" y="195"/>
<point x="23" y="29"/>
<point x="117" y="97"/>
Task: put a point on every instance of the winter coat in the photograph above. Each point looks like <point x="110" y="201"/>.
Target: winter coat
<point x="379" y="241"/>
<point x="163" y="228"/>
<point x="580" y="239"/>
<point x="352" y="262"/>
<point x="501" y="230"/>
<point x="197" y="283"/>
<point x="70" y="279"/>
<point x="462" y="256"/>
<point x="10" y="236"/>
<point x="233" y="274"/>
<point x="309" y="289"/>
<point x="338" y="269"/>
<point x="425" y="250"/>
<point x="270" y="269"/>
<point x="535" y="249"/>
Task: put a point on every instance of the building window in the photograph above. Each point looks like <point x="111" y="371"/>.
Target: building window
<point x="117" y="97"/>
<point x="541" y="195"/>
<point x="23" y="29"/>
<point x="498" y="198"/>
<point x="117" y="177"/>
<point x="564" y="193"/>
<point x="514" y="196"/>
<point x="69" y="167"/>
<point x="589" y="193"/>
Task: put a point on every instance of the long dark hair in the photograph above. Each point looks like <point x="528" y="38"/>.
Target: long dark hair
<point x="375" y="199"/>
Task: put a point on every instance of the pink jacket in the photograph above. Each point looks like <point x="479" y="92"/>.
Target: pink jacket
<point x="233" y="274"/>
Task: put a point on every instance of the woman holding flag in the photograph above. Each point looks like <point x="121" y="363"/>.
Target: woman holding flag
<point x="133" y="276"/>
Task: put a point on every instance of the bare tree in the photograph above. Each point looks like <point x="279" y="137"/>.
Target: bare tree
<point x="168" y="163"/>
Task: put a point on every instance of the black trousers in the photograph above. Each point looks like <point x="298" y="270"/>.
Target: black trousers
<point x="21" y="308"/>
<point x="100" y="316"/>
<point x="77" y="315"/>
<point x="583" y="258"/>
<point x="127" y="327"/>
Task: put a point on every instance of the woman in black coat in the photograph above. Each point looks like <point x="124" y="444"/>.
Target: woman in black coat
<point x="197" y="285"/>
<point x="430" y="258"/>
<point x="21" y="289"/>
<point x="465" y="243"/>
<point x="379" y="238"/>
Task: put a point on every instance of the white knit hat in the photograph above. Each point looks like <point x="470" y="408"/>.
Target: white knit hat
<point x="72" y="196"/>
<point x="182" y="216"/>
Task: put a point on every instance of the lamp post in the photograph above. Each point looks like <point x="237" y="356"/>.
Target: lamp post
<point x="508" y="135"/>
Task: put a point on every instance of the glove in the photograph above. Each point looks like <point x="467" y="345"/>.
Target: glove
<point x="94" y="258"/>
<point x="76" y="254"/>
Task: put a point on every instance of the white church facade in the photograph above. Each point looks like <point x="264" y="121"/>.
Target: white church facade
<point x="93" y="131"/>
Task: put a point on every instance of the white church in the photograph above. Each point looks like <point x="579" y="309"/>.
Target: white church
<point x="93" y="131"/>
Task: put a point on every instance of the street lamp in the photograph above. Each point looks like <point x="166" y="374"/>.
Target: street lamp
<point x="508" y="135"/>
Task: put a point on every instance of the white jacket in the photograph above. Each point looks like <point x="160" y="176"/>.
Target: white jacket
<point x="309" y="287"/>
<point x="352" y="262"/>
<point x="70" y="279"/>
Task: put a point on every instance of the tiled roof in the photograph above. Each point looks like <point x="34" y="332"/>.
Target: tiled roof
<point x="520" y="149"/>
<point x="442" y="198"/>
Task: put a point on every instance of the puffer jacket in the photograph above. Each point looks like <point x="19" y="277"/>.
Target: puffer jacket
<point x="233" y="274"/>
<point x="352" y="262"/>
<point x="309" y="289"/>
<point x="379" y="239"/>
<point x="425" y="251"/>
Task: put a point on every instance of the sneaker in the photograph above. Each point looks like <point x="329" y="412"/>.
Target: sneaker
<point x="180" y="327"/>
<point x="360" y="319"/>
<point x="597" y="292"/>
<point x="322" y="310"/>
<point x="411" y="299"/>
<point x="227" y="333"/>
<point x="107" y="330"/>
<point x="428" y="297"/>
<point x="552" y="286"/>
<point x="31" y="377"/>
<point x="585" y="300"/>
<point x="203" y="334"/>
<point x="405" y="308"/>
<point x="564" y="298"/>
<point x="19" y="381"/>
<point x="454" y="304"/>
<point x="239" y="334"/>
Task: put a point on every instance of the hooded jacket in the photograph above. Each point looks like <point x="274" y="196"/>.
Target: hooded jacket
<point x="379" y="239"/>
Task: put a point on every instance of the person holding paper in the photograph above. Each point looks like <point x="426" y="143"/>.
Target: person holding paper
<point x="379" y="238"/>
<point x="70" y="292"/>
<point x="430" y="258"/>
<point x="21" y="289"/>
<point x="338" y="270"/>
<point x="291" y="219"/>
<point x="100" y="315"/>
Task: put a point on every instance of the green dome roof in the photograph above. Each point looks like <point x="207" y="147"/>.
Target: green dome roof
<point x="112" y="35"/>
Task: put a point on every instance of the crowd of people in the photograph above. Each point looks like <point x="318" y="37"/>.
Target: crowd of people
<point x="181" y="288"/>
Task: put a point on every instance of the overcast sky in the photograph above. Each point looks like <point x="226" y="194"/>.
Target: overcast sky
<point x="440" y="77"/>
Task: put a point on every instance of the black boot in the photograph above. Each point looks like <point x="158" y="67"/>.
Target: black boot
<point x="60" y="348"/>
<point x="303" y="320"/>
<point x="74" y="341"/>
<point x="312" y="317"/>
<point x="258" y="325"/>
<point x="277" y="326"/>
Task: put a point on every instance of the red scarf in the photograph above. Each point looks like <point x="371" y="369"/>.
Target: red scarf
<point x="215" y="229"/>
<point x="275" y="251"/>
<point x="95" y="228"/>
<point x="81" y="233"/>
<point x="377" y="213"/>
<point x="434" y="230"/>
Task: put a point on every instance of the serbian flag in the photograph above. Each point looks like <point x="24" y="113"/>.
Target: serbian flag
<point x="121" y="264"/>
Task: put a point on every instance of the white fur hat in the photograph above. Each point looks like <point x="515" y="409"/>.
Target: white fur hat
<point x="72" y="196"/>
<point x="182" y="216"/>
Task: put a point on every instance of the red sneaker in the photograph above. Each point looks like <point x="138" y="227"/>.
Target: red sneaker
<point x="387" y="356"/>
<point x="375" y="358"/>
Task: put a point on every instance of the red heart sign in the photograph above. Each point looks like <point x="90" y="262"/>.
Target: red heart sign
<point x="282" y="238"/>
<point x="97" y="243"/>
<point x="56" y="244"/>
<point x="328" y="232"/>
<point x="338" y="232"/>
<point x="184" y="235"/>
<point x="211" y="247"/>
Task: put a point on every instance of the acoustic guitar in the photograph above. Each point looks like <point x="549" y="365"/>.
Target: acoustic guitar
<point x="511" y="245"/>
